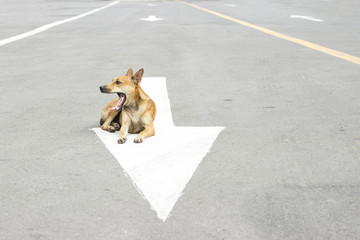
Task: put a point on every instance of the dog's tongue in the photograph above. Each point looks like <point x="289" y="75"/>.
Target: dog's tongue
<point x="119" y="103"/>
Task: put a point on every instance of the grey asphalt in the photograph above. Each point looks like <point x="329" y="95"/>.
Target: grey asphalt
<point x="286" y="166"/>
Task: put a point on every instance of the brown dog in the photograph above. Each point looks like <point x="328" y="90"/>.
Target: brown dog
<point x="137" y="109"/>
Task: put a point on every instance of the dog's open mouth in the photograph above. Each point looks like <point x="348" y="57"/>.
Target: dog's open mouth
<point x="120" y="102"/>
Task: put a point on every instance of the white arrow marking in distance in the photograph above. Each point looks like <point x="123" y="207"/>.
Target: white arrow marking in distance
<point x="151" y="18"/>
<point x="162" y="165"/>
<point x="307" y="18"/>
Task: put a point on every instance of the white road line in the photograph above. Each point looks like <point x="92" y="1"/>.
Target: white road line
<point x="162" y="165"/>
<point x="51" y="25"/>
<point x="307" y="18"/>
<point x="230" y="5"/>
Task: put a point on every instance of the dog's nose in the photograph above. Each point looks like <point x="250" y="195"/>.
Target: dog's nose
<point x="102" y="88"/>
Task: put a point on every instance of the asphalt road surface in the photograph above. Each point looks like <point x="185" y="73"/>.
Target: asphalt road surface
<point x="285" y="167"/>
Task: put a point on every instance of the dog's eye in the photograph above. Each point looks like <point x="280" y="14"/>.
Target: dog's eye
<point x="117" y="82"/>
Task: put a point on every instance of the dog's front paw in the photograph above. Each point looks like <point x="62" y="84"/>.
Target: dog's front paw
<point x="121" y="140"/>
<point x="138" y="140"/>
<point x="111" y="129"/>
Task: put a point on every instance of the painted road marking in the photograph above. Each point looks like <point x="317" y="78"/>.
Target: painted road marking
<point x="230" y="5"/>
<point x="151" y="5"/>
<point x="304" y="43"/>
<point x="151" y="18"/>
<point x="51" y="25"/>
<point x="307" y="18"/>
<point x="162" y="165"/>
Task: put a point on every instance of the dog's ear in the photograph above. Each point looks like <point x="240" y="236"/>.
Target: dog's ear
<point x="129" y="73"/>
<point x="138" y="76"/>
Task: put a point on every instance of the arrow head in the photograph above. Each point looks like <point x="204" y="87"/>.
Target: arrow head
<point x="162" y="166"/>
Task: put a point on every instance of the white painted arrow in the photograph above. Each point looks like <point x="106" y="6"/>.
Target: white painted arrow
<point x="151" y="18"/>
<point x="307" y="18"/>
<point x="162" y="165"/>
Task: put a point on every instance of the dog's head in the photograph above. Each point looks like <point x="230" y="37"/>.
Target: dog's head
<point x="124" y="86"/>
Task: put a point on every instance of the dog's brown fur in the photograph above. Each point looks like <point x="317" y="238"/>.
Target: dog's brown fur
<point x="138" y="111"/>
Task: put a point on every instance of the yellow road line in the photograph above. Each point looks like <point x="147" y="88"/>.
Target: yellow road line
<point x="304" y="43"/>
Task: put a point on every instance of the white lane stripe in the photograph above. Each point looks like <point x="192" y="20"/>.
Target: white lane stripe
<point x="51" y="25"/>
<point x="307" y="18"/>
